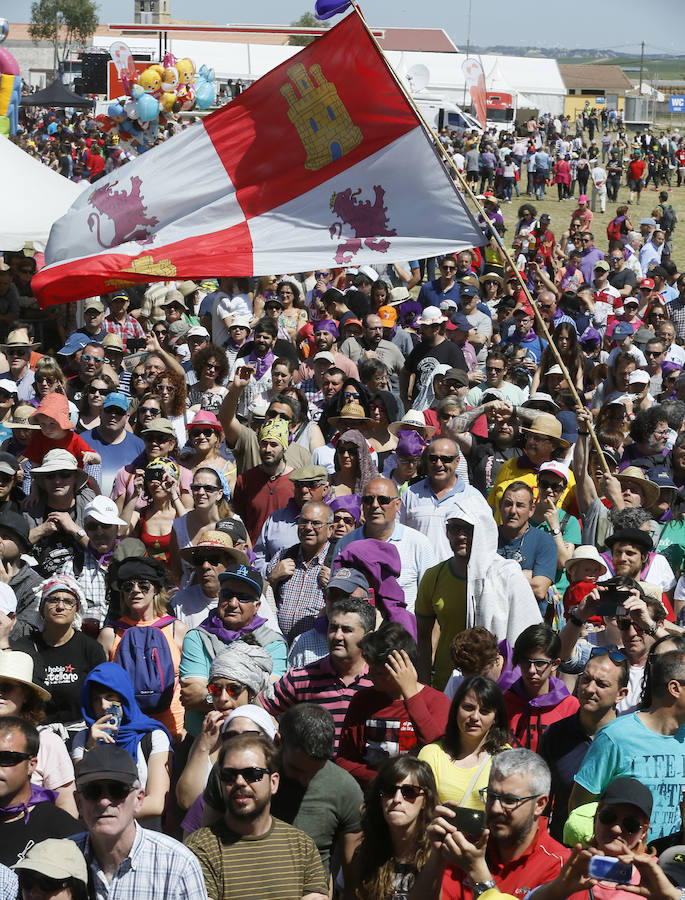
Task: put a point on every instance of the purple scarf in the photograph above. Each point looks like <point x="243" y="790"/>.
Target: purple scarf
<point x="261" y="363"/>
<point x="106" y="558"/>
<point x="213" y="625"/>
<point x="38" y="795"/>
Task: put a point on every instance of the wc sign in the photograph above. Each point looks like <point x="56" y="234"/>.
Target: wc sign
<point x="678" y="103"/>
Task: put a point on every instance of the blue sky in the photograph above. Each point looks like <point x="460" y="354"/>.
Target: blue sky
<point x="612" y="24"/>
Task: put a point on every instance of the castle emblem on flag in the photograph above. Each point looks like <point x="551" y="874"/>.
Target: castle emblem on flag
<point x="369" y="221"/>
<point x="323" y="124"/>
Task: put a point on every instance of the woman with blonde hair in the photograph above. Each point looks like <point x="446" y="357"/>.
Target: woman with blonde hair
<point x="48" y="379"/>
<point x="205" y="436"/>
<point x="160" y="482"/>
<point x="144" y="603"/>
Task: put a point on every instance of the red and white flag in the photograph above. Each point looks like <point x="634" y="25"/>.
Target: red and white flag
<point x="322" y="162"/>
<point x="475" y="82"/>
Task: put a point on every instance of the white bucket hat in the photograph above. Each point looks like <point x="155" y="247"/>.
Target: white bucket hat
<point x="60" y="461"/>
<point x="18" y="666"/>
<point x="586" y="551"/>
<point x="431" y="316"/>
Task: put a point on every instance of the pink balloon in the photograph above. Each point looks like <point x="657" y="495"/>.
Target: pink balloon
<point x="8" y="64"/>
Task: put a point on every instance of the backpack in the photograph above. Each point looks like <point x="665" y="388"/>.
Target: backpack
<point x="145" y="655"/>
<point x="667" y="217"/>
<point x="614" y="228"/>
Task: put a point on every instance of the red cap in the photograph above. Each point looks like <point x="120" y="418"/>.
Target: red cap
<point x="647" y="283"/>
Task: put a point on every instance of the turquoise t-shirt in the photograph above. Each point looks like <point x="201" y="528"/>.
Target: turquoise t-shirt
<point x="627" y="747"/>
<point x="672" y="545"/>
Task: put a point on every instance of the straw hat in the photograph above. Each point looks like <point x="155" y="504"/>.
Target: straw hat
<point x="20" y="418"/>
<point x="19" y="338"/>
<point x="648" y="488"/>
<point x="413" y="420"/>
<point x="586" y="551"/>
<point x="215" y="540"/>
<point x="351" y="415"/>
<point x="18" y="667"/>
<point x="549" y="426"/>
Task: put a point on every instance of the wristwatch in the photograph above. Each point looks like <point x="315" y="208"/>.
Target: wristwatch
<point x="480" y="887"/>
<point x="555" y="531"/>
<point x="650" y="631"/>
<point x="81" y="533"/>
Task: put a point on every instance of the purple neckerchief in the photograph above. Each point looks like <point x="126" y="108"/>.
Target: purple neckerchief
<point x="524" y="462"/>
<point x="261" y="363"/>
<point x="214" y="625"/>
<point x="106" y="558"/>
<point x="321" y="625"/>
<point x="38" y="795"/>
<point x="608" y="559"/>
<point x="667" y="517"/>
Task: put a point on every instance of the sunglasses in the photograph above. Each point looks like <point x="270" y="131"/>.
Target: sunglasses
<point x="86" y="357"/>
<point x="409" y="792"/>
<point x="351" y="451"/>
<point x="113" y="790"/>
<point x="207" y="488"/>
<point x="161" y="330"/>
<point x="213" y="557"/>
<point x="63" y="473"/>
<point x="202" y="432"/>
<point x="370" y="499"/>
<point x="6" y="479"/>
<point x="101" y="391"/>
<point x="10" y="758"/>
<point x="624" y="623"/>
<point x="156" y="437"/>
<point x="350" y="395"/>
<point x="241" y="598"/>
<point x="233" y="689"/>
<point x="137" y="376"/>
<point x="92" y="525"/>
<point x="143" y="585"/>
<point x="348" y="520"/>
<point x="436" y="457"/>
<point x="250" y="774"/>
<point x="274" y="415"/>
<point x="616" y="656"/>
<point x="31" y="880"/>
<point x="555" y="486"/>
<point x="630" y="824"/>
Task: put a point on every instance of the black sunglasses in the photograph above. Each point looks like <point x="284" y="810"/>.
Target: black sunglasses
<point x="435" y="457"/>
<point x="202" y="432"/>
<point x="369" y="499"/>
<point x="250" y="774"/>
<point x="409" y="792"/>
<point x="31" y="880"/>
<point x="101" y="391"/>
<point x="10" y="758"/>
<point x="213" y="557"/>
<point x="96" y="790"/>
<point x="608" y="816"/>
<point x="614" y="654"/>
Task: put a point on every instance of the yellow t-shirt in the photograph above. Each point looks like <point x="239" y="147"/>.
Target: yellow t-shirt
<point x="510" y="472"/>
<point x="443" y="595"/>
<point x="453" y="781"/>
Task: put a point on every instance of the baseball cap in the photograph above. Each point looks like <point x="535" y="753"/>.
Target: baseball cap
<point x="633" y="301"/>
<point x="647" y="284"/>
<point x="348" y="579"/>
<point x="6" y="384"/>
<point x="659" y="475"/>
<point x="198" y="331"/>
<point x="93" y="303"/>
<point x="648" y="221"/>
<point x="628" y="790"/>
<point x="590" y="336"/>
<point x="602" y="264"/>
<point x="246" y="574"/>
<point x="639" y="376"/>
<point x="458" y="375"/>
<point x="467" y="290"/>
<point x="388" y="315"/>
<point x="326" y="356"/>
<point x="234" y="528"/>
<point x="623" y="330"/>
<point x="556" y="468"/>
<point x="8" y="600"/>
<point x="76" y="341"/>
<point x="103" y="510"/>
<point x="107" y="762"/>
<point x="116" y="399"/>
<point x="672" y="861"/>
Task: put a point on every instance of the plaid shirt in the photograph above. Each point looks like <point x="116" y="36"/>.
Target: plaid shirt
<point x="676" y="312"/>
<point x="299" y="600"/>
<point x="308" y="647"/>
<point x="157" y="868"/>
<point x="315" y="397"/>
<point x="92" y="579"/>
<point x="129" y="328"/>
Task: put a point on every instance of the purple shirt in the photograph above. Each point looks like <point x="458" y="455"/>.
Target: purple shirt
<point x="588" y="258"/>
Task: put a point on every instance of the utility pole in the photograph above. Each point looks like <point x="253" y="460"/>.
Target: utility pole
<point x="642" y="65"/>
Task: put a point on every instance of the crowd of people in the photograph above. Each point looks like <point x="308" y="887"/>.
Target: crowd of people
<point x="348" y="583"/>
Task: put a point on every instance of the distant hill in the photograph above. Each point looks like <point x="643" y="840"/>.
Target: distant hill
<point x="662" y="67"/>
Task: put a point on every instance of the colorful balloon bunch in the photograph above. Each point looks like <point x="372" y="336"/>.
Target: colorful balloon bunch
<point x="10" y="87"/>
<point x="154" y="96"/>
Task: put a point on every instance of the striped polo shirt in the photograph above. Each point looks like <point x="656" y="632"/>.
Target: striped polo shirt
<point x="316" y="683"/>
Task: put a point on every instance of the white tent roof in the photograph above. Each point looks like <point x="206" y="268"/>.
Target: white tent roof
<point x="33" y="198"/>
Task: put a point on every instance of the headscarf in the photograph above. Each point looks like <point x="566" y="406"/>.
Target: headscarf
<point x="134" y="724"/>
<point x="409" y="443"/>
<point x="63" y="583"/>
<point x="275" y="430"/>
<point x="351" y="503"/>
<point x="390" y="404"/>
<point x="163" y="462"/>
<point x="367" y="468"/>
<point x="256" y="714"/>
<point x="214" y="624"/>
<point x="225" y="486"/>
<point x="249" y="664"/>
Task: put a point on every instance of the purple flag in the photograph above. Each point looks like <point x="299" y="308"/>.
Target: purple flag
<point x="326" y="9"/>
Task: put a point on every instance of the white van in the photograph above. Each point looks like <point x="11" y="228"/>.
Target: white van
<point x="441" y="113"/>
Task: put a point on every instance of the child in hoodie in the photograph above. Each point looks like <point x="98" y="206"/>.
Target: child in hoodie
<point x="537" y="699"/>
<point x="57" y="431"/>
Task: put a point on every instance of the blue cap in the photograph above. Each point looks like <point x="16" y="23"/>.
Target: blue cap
<point x="467" y="290"/>
<point x="460" y="321"/>
<point x="116" y="398"/>
<point x="243" y="573"/>
<point x="569" y="426"/>
<point x="75" y="342"/>
<point x="661" y="476"/>
<point x="623" y="330"/>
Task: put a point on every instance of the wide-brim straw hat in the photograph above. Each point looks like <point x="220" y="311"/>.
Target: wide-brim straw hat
<point x="20" y="418"/>
<point x="18" y="667"/>
<point x="19" y="338"/>
<point x="413" y="420"/>
<point x="649" y="488"/>
<point x="215" y="540"/>
<point x="549" y="426"/>
<point x="351" y="415"/>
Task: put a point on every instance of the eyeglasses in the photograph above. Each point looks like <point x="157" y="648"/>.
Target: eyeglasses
<point x="410" y="792"/>
<point x="141" y="584"/>
<point x="113" y="790"/>
<point x="508" y="802"/>
<point x="69" y="602"/>
<point x="351" y="451"/>
<point x="233" y="689"/>
<point x="340" y="517"/>
<point x="250" y="774"/>
<point x="45" y="379"/>
<point x="87" y="357"/>
<point x="630" y="824"/>
<point x="136" y="376"/>
<point x="409" y="460"/>
<point x="10" y="758"/>
<point x="540" y="664"/>
<point x="101" y="391"/>
<point x="6" y="479"/>
<point x="213" y="557"/>
<point x="457" y="527"/>
<point x="202" y="432"/>
<point x="165" y="388"/>
<point x="556" y="486"/>
<point x="63" y="473"/>
<point x="615" y="258"/>
<point x="312" y="523"/>
<point x="32" y="880"/>
<point x="207" y="488"/>
<point x="350" y="395"/>
<point x="270" y="416"/>
<point x="448" y="268"/>
<point x="653" y="352"/>
<point x="211" y="365"/>
<point x="436" y="458"/>
<point x="370" y="499"/>
<point x="156" y="437"/>
<point x="240" y="597"/>
<point x="161" y="330"/>
<point x="4" y="396"/>
<point x="616" y="656"/>
<point x="494" y="368"/>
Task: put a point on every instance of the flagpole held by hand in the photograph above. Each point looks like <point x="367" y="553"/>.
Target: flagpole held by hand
<point x="463" y="185"/>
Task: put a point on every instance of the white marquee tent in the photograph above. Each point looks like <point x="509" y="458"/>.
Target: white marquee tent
<point x="33" y="198"/>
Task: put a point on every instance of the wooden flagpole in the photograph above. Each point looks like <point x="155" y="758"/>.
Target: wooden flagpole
<point x="462" y="184"/>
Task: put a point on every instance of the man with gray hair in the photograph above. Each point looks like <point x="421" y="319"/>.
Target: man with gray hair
<point x="519" y="853"/>
<point x="299" y="575"/>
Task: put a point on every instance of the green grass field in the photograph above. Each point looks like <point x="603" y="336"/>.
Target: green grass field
<point x="560" y="214"/>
